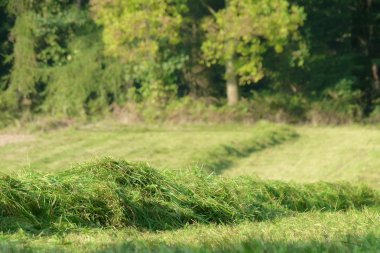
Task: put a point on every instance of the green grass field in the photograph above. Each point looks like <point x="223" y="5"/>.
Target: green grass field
<point x="323" y="153"/>
<point x="49" y="203"/>
<point x="161" y="147"/>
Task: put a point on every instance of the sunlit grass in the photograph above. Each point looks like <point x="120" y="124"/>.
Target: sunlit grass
<point x="320" y="153"/>
<point x="351" y="231"/>
<point x="168" y="147"/>
<point x="82" y="210"/>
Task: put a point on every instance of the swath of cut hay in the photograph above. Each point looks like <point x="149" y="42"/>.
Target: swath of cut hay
<point x="112" y="193"/>
<point x="265" y="135"/>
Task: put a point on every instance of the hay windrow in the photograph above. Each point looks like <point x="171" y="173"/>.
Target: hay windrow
<point x="112" y="193"/>
<point x="265" y="135"/>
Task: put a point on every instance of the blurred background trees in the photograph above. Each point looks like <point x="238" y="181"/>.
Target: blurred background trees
<point x="81" y="58"/>
<point x="242" y="32"/>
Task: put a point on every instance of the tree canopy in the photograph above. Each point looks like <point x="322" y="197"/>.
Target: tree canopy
<point x="83" y="57"/>
<point x="240" y="34"/>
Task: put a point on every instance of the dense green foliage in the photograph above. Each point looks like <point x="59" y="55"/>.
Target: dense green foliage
<point x="239" y="35"/>
<point x="68" y="58"/>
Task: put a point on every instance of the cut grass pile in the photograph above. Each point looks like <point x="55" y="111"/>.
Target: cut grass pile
<point x="119" y="194"/>
<point x="222" y="157"/>
<point x="119" y="206"/>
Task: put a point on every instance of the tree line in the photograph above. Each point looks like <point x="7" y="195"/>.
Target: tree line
<point x="80" y="57"/>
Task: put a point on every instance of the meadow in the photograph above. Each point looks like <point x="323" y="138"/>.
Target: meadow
<point x="220" y="188"/>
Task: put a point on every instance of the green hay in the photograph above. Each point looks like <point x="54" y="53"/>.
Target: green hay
<point x="264" y="136"/>
<point x="119" y="194"/>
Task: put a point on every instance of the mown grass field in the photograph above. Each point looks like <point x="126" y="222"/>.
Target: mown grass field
<point x="113" y="206"/>
<point x="321" y="153"/>
<point x="168" y="147"/>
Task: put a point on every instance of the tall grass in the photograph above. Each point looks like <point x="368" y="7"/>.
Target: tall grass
<point x="112" y="193"/>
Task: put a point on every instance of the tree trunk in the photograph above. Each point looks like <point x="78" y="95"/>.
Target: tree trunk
<point x="232" y="84"/>
<point x="375" y="77"/>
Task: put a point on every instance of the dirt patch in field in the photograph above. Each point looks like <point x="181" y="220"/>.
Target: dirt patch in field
<point x="6" y="139"/>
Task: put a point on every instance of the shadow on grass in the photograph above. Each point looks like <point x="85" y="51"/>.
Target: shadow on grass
<point x="350" y="243"/>
<point x="223" y="157"/>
